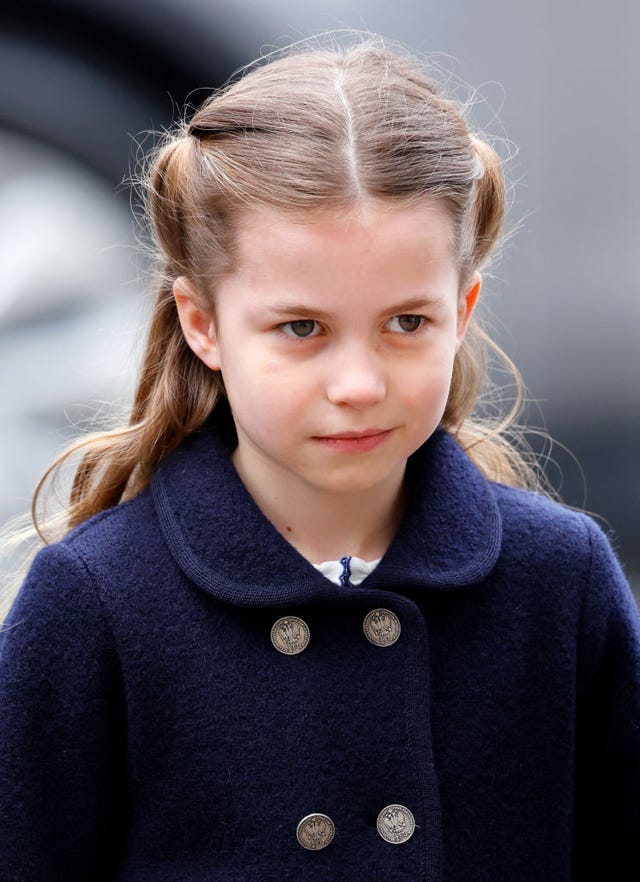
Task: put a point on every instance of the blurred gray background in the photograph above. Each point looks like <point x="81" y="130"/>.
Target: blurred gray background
<point x="82" y="80"/>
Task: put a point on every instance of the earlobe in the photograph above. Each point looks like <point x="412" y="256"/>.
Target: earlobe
<point x="466" y="306"/>
<point x="197" y="322"/>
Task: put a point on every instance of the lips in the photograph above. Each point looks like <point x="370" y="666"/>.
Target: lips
<point x="355" y="442"/>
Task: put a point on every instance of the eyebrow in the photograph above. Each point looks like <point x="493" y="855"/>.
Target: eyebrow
<point x="404" y="307"/>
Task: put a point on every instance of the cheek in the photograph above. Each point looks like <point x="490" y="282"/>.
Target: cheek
<point x="431" y="373"/>
<point x="426" y="392"/>
<point x="264" y="390"/>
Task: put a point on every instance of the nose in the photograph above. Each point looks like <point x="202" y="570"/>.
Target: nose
<point x="357" y="378"/>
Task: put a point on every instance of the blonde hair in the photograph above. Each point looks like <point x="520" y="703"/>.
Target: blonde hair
<point x="319" y="128"/>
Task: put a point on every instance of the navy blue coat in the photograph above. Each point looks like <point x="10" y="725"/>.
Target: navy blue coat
<point x="149" y="730"/>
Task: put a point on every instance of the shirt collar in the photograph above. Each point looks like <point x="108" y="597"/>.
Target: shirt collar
<point x="450" y="536"/>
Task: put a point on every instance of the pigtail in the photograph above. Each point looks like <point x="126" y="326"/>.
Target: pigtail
<point x="489" y="436"/>
<point x="175" y="392"/>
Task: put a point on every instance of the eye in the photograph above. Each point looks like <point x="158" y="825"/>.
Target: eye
<point x="301" y="328"/>
<point x="405" y="324"/>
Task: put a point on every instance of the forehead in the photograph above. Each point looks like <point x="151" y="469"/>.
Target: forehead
<point x="372" y="237"/>
<point x="354" y="264"/>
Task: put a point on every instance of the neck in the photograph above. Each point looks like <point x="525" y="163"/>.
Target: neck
<point x="325" y="526"/>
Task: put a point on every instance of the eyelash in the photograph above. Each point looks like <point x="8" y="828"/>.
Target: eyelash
<point x="423" y="321"/>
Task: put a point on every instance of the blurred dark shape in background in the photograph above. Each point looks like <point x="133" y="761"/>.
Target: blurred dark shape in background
<point x="85" y="75"/>
<point x="82" y="81"/>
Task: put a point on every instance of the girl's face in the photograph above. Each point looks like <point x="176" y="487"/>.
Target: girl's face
<point x="336" y="338"/>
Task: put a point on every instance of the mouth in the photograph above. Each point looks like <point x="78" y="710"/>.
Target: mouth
<point x="354" y="442"/>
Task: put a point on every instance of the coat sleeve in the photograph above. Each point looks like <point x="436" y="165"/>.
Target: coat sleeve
<point x="61" y="729"/>
<point x="607" y="810"/>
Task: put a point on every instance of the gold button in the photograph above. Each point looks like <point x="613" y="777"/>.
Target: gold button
<point x="381" y="627"/>
<point x="396" y="824"/>
<point x="315" y="832"/>
<point x="290" y="635"/>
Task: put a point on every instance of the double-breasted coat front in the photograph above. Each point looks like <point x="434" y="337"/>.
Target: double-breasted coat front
<point x="150" y="729"/>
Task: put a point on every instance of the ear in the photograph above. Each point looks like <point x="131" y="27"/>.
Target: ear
<point x="466" y="306"/>
<point x="197" y="322"/>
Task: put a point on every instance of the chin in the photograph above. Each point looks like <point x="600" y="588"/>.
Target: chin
<point x="342" y="483"/>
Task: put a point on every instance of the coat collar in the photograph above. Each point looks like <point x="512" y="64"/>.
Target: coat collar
<point x="450" y="536"/>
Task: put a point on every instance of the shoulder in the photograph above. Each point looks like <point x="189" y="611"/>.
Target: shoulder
<point x="56" y="611"/>
<point x="546" y="525"/>
<point x="76" y="572"/>
<point x="110" y="545"/>
<point x="540" y="524"/>
<point x="551" y="542"/>
<point x="118" y="529"/>
<point x="540" y="518"/>
<point x="554" y="543"/>
<point x="122" y="551"/>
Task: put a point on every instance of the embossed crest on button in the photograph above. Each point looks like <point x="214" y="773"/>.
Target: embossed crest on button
<point x="382" y="627"/>
<point x="290" y="635"/>
<point x="396" y="824"/>
<point x="315" y="832"/>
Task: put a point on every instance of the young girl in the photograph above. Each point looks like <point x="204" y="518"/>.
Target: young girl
<point x="307" y="622"/>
